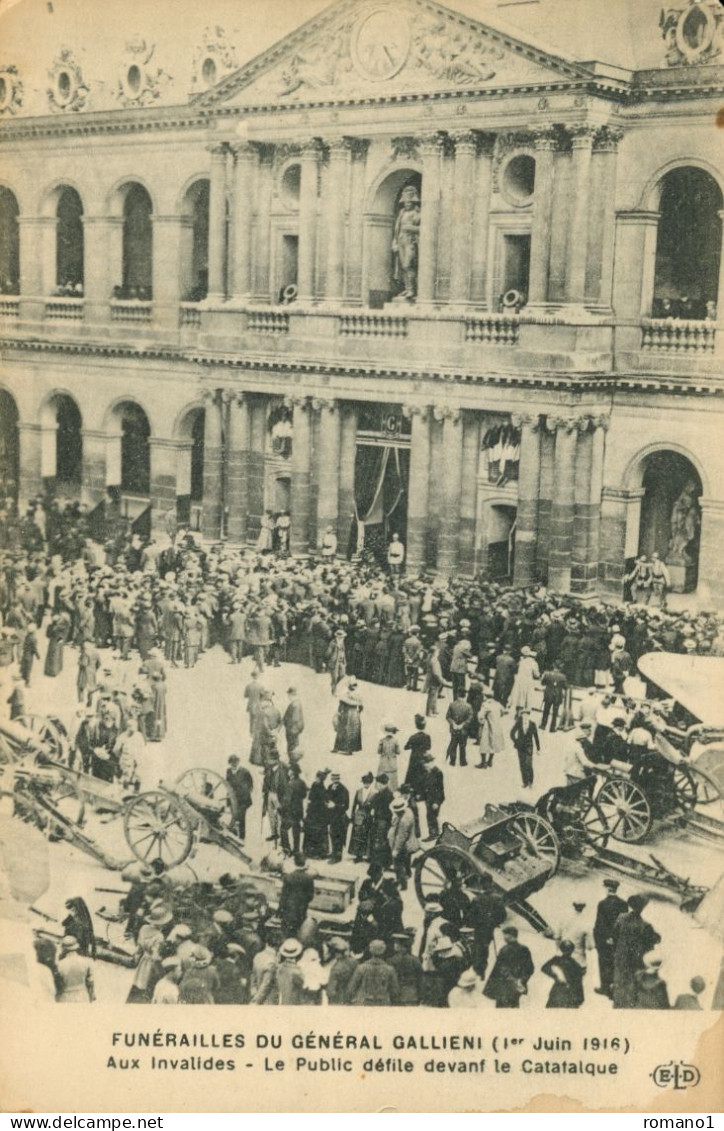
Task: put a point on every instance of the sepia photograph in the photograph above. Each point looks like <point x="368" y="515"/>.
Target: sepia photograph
<point x="376" y="350"/>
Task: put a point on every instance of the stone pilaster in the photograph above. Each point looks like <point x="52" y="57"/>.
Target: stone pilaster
<point x="633" y="284"/>
<point x="582" y="143"/>
<point x="102" y="266"/>
<point x="217" y="221"/>
<point x="469" y="492"/>
<point x="526" y="523"/>
<point x="602" y="217"/>
<point x="587" y="515"/>
<point x="418" y="490"/>
<point x="255" y="463"/>
<point x="308" y="197"/>
<point x="711" y="552"/>
<point x="237" y="465"/>
<point x="245" y="163"/>
<point x="301" y="474"/>
<point x="347" y="458"/>
<point x="431" y="149"/>
<point x="353" y="275"/>
<point x="213" y="465"/>
<point x="168" y="238"/>
<point x="562" y="510"/>
<point x="619" y="527"/>
<point x="452" y="448"/>
<point x="262" y="225"/>
<point x="540" y="238"/>
<point x="335" y="211"/>
<point x="30" y="443"/>
<point x="93" y="466"/>
<point x="327" y="456"/>
<point x="164" y="462"/>
<point x="462" y="217"/>
<point x="546" y="492"/>
<point x="483" y="176"/>
<point x="35" y="270"/>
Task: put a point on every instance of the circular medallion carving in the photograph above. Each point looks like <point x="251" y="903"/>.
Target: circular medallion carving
<point x="381" y="44"/>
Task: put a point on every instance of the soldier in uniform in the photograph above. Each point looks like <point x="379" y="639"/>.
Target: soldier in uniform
<point x="607" y="914"/>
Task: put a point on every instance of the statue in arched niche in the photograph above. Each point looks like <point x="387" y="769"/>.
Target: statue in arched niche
<point x="405" y="241"/>
<point x="685" y="521"/>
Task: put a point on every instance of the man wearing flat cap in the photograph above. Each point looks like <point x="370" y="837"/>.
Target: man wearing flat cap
<point x="607" y="914"/>
<point x="511" y="973"/>
<point x="374" y="982"/>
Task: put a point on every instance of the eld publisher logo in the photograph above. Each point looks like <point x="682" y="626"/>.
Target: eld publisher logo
<point x="678" y="1076"/>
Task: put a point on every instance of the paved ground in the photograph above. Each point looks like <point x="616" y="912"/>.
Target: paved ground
<point x="207" y="723"/>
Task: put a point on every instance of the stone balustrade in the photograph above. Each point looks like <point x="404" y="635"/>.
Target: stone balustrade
<point x="268" y="321"/>
<point x="373" y="326"/>
<point x="678" y="335"/>
<point x="190" y="315"/>
<point x="64" y="309"/>
<point x="494" y="329"/>
<point x="9" y="307"/>
<point x="132" y="310"/>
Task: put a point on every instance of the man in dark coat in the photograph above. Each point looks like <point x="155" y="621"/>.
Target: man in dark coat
<point x="381" y="821"/>
<point x="241" y="784"/>
<point x="633" y="939"/>
<point x="485" y="913"/>
<point x="29" y="654"/>
<point x="607" y="914"/>
<point x="524" y="735"/>
<point x="337" y="806"/>
<point x="504" y="678"/>
<point x="511" y="973"/>
<point x="293" y="719"/>
<point x="296" y="895"/>
<point x="433" y="794"/>
<point x="554" y="686"/>
<point x="292" y="811"/>
<point x="374" y="982"/>
<point x="459" y="716"/>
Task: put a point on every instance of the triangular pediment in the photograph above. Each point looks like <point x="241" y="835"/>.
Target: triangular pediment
<point x="361" y="51"/>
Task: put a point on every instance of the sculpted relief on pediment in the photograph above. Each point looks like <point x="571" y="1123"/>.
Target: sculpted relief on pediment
<point x="386" y="50"/>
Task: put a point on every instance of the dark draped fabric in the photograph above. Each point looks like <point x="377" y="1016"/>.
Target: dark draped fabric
<point x="380" y="498"/>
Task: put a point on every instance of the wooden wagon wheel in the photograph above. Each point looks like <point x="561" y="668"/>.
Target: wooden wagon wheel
<point x="65" y="796"/>
<point x="441" y="867"/>
<point x="537" y="836"/>
<point x="697" y="787"/>
<point x="46" y="733"/>
<point x="209" y="784"/>
<point x="157" y="828"/>
<point x="594" y="825"/>
<point x="626" y="810"/>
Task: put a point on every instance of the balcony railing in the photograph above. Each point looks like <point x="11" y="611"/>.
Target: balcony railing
<point x="190" y="314"/>
<point x="494" y="329"/>
<point x="268" y="321"/>
<point x="9" y="307"/>
<point x="678" y="335"/>
<point x="373" y="326"/>
<point x="64" y="309"/>
<point x="130" y="310"/>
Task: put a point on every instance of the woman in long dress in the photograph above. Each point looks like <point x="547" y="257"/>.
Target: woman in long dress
<point x="388" y="751"/>
<point x="316" y="841"/>
<point x="158" y="688"/>
<point x="57" y="634"/>
<point x="524" y="686"/>
<point x="347" y="721"/>
<point x="492" y="738"/>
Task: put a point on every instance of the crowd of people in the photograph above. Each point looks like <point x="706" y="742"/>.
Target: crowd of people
<point x="134" y="609"/>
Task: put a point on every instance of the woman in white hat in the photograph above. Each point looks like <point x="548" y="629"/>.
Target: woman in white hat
<point x="524" y="686"/>
<point x="467" y="993"/>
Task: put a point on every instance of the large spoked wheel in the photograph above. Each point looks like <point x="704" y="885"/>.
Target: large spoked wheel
<point x="214" y="789"/>
<point x="537" y="837"/>
<point x="157" y="828"/>
<point x="442" y="868"/>
<point x="68" y="801"/>
<point x="595" y="826"/>
<point x="625" y="809"/>
<point x="46" y="734"/>
<point x="697" y="786"/>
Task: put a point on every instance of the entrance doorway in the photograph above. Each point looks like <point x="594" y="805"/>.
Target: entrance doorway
<point x="516" y="264"/>
<point x="501" y="542"/>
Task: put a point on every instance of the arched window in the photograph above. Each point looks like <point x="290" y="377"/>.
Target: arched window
<point x="135" y="450"/>
<point x="9" y="448"/>
<point x="688" y="246"/>
<point x="137" y="243"/>
<point x="69" y="242"/>
<point x="195" y="252"/>
<point x="9" y="243"/>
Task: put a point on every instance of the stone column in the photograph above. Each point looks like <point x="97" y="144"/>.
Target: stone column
<point x="587" y="518"/>
<point x="327" y="458"/>
<point x="347" y="459"/>
<point x="237" y="466"/>
<point x="710" y="585"/>
<point x="262" y="224"/>
<point x="526" y="522"/>
<point x="164" y="460"/>
<point x="30" y="443"/>
<point x="217" y="222"/>
<point x="418" y="502"/>
<point x="353" y="275"/>
<point x="431" y="149"/>
<point x="245" y="161"/>
<point x="93" y="466"/>
<point x="561" y="541"/>
<point x="213" y="465"/>
<point x="546" y="144"/>
<point x="619" y="534"/>
<point x="481" y="218"/>
<point x="256" y="465"/>
<point x="462" y="217"/>
<point x="469" y="493"/>
<point x="633" y="283"/>
<point x="311" y="154"/>
<point x="102" y="267"/>
<point x="452" y="449"/>
<point x="168" y="238"/>
<point x="719" y="341"/>
<point x="334" y="218"/>
<point x="602" y="217"/>
<point x="301" y="474"/>
<point x="582" y="142"/>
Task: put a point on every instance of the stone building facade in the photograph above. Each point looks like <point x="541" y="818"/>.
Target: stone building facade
<point x="201" y="306"/>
